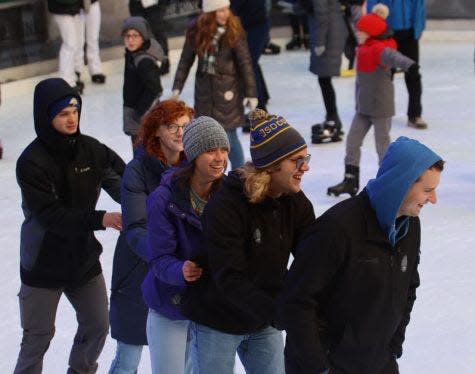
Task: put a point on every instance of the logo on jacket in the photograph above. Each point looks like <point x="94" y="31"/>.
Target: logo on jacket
<point x="257" y="236"/>
<point x="404" y="264"/>
<point x="82" y="170"/>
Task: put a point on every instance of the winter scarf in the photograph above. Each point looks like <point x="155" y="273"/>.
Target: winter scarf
<point x="209" y="59"/>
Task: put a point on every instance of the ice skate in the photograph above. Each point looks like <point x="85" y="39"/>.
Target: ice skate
<point x="350" y="183"/>
<point x="327" y="132"/>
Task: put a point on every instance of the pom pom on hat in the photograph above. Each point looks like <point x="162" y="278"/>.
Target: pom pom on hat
<point x="203" y="134"/>
<point x="272" y="139"/>
<point x="374" y="23"/>
<point x="212" y="5"/>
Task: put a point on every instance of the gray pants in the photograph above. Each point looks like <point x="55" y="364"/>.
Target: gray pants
<point x="359" y="128"/>
<point x="38" y="313"/>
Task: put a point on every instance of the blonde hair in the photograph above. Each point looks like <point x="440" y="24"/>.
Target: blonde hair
<point x="256" y="181"/>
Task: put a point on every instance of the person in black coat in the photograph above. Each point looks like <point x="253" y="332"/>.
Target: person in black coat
<point x="160" y="139"/>
<point x="61" y="174"/>
<point x="348" y="296"/>
<point x="250" y="226"/>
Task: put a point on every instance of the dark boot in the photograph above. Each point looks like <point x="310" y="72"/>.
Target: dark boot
<point x="79" y="87"/>
<point x="350" y="184"/>
<point x="295" y="43"/>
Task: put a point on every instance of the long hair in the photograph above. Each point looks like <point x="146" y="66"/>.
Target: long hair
<point x="256" y="181"/>
<point x="183" y="177"/>
<point x="163" y="113"/>
<point x="201" y="32"/>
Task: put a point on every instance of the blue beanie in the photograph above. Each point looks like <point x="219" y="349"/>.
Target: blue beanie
<point x="272" y="139"/>
<point x="59" y="105"/>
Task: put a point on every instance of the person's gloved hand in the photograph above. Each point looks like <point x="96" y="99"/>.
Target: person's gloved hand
<point x="413" y="69"/>
<point x="175" y="94"/>
<point x="319" y="50"/>
<point x="250" y="102"/>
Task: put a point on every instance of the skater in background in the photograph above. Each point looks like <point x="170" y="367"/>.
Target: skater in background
<point x="224" y="81"/>
<point x="348" y="296"/>
<point x="250" y="226"/>
<point x="271" y="48"/>
<point x="298" y="22"/>
<point x="61" y="174"/>
<point x="160" y="146"/>
<point x="154" y="11"/>
<point x="408" y="19"/>
<point x="376" y="55"/>
<point x="174" y="231"/>
<point x="327" y="40"/>
<point x="253" y="17"/>
<point x="353" y="10"/>
<point x="91" y="24"/>
<point x="142" y="83"/>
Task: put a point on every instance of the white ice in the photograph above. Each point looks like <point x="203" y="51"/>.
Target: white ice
<point x="440" y="338"/>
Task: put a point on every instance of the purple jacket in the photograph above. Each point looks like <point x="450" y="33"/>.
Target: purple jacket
<point x="174" y="230"/>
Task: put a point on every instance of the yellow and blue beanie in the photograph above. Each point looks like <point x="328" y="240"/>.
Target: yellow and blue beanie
<point x="272" y="139"/>
<point x="58" y="106"/>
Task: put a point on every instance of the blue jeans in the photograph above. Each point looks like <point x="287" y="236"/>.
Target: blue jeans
<point x="214" y="352"/>
<point x="127" y="359"/>
<point x="236" y="156"/>
<point x="169" y="343"/>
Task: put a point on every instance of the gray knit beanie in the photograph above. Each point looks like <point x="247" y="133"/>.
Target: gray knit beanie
<point x="203" y="134"/>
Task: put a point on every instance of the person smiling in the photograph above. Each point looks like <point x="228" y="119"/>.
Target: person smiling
<point x="250" y="226"/>
<point x="174" y="230"/>
<point x="349" y="293"/>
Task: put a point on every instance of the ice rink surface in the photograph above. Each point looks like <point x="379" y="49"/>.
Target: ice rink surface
<point x="441" y="336"/>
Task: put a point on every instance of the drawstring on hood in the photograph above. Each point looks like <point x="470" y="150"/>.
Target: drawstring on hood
<point x="405" y="161"/>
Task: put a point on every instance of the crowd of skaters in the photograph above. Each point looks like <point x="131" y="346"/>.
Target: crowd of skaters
<point x="200" y="265"/>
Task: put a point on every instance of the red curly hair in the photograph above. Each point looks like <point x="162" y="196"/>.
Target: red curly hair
<point x="163" y="113"/>
<point x="204" y="28"/>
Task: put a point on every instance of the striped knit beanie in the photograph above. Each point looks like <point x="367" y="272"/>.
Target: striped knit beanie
<point x="272" y="139"/>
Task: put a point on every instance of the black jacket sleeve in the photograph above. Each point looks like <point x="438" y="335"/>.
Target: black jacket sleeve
<point x="149" y="74"/>
<point x="114" y="169"/>
<point x="40" y="199"/>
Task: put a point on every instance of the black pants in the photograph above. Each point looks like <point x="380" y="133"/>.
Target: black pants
<point x="329" y="98"/>
<point x="408" y="46"/>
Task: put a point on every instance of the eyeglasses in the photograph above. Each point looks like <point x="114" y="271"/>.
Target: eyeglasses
<point x="173" y="127"/>
<point x="302" y="160"/>
<point x="132" y="36"/>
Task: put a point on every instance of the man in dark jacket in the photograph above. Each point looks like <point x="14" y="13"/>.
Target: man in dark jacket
<point x="60" y="175"/>
<point x="349" y="293"/>
<point x="250" y="225"/>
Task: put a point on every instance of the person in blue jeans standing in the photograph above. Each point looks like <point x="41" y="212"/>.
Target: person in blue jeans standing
<point x="174" y="230"/>
<point x="250" y="226"/>
<point x="160" y="139"/>
<point x="408" y="20"/>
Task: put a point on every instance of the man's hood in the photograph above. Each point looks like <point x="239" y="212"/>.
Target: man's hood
<point x="404" y="161"/>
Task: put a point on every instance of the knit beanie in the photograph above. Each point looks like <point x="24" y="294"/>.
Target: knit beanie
<point x="374" y="23"/>
<point x="139" y="24"/>
<point x="212" y="5"/>
<point x="272" y="139"/>
<point x="203" y="134"/>
<point x="62" y="103"/>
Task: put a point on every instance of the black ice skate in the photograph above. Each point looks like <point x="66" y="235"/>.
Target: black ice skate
<point x="327" y="132"/>
<point x="349" y="185"/>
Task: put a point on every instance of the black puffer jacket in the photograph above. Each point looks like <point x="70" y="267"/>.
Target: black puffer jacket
<point x="60" y="179"/>
<point x="349" y="293"/>
<point x="245" y="260"/>
<point x="220" y="95"/>
<point x="71" y="7"/>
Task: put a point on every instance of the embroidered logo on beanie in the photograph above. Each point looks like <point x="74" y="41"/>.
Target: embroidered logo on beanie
<point x="272" y="138"/>
<point x="58" y="106"/>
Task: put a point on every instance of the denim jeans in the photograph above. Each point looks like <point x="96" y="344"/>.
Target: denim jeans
<point x="127" y="359"/>
<point x="169" y="343"/>
<point x="214" y="352"/>
<point x="236" y="155"/>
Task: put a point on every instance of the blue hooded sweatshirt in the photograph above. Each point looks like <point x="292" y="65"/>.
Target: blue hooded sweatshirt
<point x="405" y="161"/>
